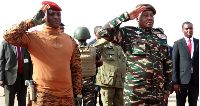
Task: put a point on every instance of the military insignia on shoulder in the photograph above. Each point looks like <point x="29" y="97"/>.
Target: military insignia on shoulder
<point x="138" y="32"/>
<point x="162" y="36"/>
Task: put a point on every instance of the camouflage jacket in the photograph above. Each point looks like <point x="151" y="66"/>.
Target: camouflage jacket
<point x="149" y="65"/>
<point x="112" y="72"/>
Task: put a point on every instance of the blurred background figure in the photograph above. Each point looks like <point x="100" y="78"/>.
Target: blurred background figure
<point x="62" y="28"/>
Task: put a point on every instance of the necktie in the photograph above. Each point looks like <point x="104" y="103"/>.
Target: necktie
<point x="190" y="46"/>
<point x="19" y="60"/>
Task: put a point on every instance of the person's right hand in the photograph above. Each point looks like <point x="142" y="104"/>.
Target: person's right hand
<point x="2" y="83"/>
<point x="176" y="87"/>
<point x="135" y="13"/>
<point x="38" y="19"/>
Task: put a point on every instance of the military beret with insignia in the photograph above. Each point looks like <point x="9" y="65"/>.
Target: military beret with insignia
<point x="148" y="7"/>
<point x="52" y="5"/>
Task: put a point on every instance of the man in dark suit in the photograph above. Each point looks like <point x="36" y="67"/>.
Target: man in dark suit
<point x="15" y="68"/>
<point x="185" y="75"/>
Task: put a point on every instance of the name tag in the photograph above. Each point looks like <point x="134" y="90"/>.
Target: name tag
<point x="25" y="60"/>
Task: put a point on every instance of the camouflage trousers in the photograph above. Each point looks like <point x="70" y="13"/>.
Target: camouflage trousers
<point x="45" y="99"/>
<point x="142" y="92"/>
<point x="112" y="96"/>
<point x="143" y="102"/>
<point x="88" y="91"/>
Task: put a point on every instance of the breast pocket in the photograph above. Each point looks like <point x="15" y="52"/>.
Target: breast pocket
<point x="139" y="48"/>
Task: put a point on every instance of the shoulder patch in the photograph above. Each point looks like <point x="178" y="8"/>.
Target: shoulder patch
<point x="160" y="33"/>
<point x="162" y="36"/>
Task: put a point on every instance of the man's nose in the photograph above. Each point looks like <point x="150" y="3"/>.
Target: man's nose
<point x="56" y="16"/>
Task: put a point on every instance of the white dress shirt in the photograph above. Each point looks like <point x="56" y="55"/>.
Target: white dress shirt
<point x="192" y="42"/>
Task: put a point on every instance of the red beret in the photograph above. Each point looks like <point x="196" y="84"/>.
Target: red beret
<point x="52" y="5"/>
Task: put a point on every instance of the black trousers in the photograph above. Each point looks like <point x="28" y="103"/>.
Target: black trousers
<point x="191" y="90"/>
<point x="18" y="88"/>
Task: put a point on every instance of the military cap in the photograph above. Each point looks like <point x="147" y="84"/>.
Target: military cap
<point x="61" y="24"/>
<point x="97" y="28"/>
<point x="148" y="7"/>
<point x="52" y="5"/>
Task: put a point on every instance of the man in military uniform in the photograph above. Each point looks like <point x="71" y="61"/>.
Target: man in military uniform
<point x="149" y="65"/>
<point x="88" y="65"/>
<point x="57" y="72"/>
<point x="98" y="57"/>
<point x="111" y="75"/>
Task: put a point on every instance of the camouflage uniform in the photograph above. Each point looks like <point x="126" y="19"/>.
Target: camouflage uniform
<point x="149" y="64"/>
<point x="111" y="75"/>
<point x="88" y="65"/>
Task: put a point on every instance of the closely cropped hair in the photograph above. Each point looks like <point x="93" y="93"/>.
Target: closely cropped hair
<point x="187" y="22"/>
<point x="97" y="28"/>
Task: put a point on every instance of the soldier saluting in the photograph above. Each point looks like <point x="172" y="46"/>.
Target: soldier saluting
<point x="57" y="70"/>
<point x="149" y="65"/>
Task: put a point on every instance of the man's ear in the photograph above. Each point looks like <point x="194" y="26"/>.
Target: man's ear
<point x="137" y="19"/>
<point x="182" y="30"/>
<point x="45" y="17"/>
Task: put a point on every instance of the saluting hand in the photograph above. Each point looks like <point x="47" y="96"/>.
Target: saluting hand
<point x="135" y="13"/>
<point x="38" y="19"/>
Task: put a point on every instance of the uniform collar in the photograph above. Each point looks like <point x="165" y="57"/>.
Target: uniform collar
<point x="50" y="30"/>
<point x="145" y="30"/>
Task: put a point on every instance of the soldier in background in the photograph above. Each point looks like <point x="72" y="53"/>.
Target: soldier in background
<point x="111" y="75"/>
<point x="62" y="28"/>
<point x="97" y="36"/>
<point x="88" y="65"/>
<point x="149" y="65"/>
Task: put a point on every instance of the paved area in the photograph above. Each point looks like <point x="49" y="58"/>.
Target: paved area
<point x="172" y="99"/>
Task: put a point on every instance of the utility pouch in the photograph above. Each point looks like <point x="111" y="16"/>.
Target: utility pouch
<point x="31" y="89"/>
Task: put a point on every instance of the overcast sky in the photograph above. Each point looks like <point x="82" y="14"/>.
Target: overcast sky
<point x="90" y="13"/>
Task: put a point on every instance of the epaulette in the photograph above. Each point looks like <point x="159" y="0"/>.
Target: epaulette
<point x="159" y="29"/>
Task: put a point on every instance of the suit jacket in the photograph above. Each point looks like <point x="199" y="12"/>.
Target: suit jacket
<point x="9" y="63"/>
<point x="182" y="62"/>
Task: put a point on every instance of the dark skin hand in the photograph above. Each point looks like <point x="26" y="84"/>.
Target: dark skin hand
<point x="2" y="83"/>
<point x="176" y="88"/>
<point x="135" y="13"/>
<point x="165" y="98"/>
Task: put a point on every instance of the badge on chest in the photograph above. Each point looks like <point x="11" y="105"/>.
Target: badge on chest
<point x="25" y="60"/>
